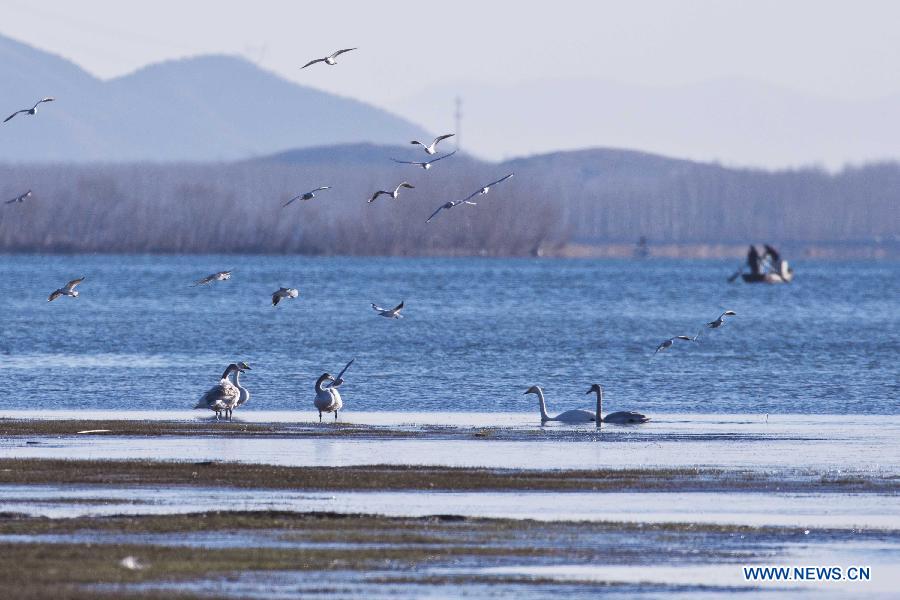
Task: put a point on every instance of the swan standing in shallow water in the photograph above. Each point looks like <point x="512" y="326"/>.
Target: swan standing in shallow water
<point x="570" y="416"/>
<point x="223" y="396"/>
<point x="625" y="417"/>
<point x="244" y="392"/>
<point x="328" y="399"/>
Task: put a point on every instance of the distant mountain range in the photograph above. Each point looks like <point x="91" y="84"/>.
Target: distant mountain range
<point x="734" y="121"/>
<point x="201" y="109"/>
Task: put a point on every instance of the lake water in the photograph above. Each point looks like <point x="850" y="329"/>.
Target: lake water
<point x="476" y="334"/>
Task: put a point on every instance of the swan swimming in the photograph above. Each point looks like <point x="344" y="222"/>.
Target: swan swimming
<point x="624" y="417"/>
<point x="29" y="111"/>
<point x="328" y="399"/>
<point x="430" y="148"/>
<point x="570" y="416"/>
<point x="223" y="396"/>
<point x="66" y="290"/>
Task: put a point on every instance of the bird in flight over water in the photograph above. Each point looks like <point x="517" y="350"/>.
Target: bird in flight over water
<point x="66" y="290"/>
<point x="425" y="165"/>
<point x="284" y="293"/>
<point x="668" y="343"/>
<point x="328" y="60"/>
<point x="306" y="196"/>
<point x="220" y="276"/>
<point x="390" y="313"/>
<point x="430" y="148"/>
<point x="29" y="111"/>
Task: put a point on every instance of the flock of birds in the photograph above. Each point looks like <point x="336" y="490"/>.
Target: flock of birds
<point x="228" y="394"/>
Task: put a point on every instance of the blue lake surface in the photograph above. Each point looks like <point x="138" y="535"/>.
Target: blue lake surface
<point x="476" y="334"/>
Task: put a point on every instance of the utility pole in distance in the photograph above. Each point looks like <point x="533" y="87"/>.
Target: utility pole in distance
<point x="458" y="121"/>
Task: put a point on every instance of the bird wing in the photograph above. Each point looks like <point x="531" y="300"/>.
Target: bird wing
<point x="397" y="308"/>
<point x="442" y="157"/>
<point x="470" y="196"/>
<point x="434" y="214"/>
<point x="276" y="298"/>
<point x="56" y="294"/>
<point x="404" y="185"/>
<point x="502" y="179"/>
<point x="41" y="101"/>
<point x="319" y="189"/>
<point x="442" y="137"/>
<point x="205" y="280"/>
<point x="291" y="200"/>
<point x="312" y="62"/>
<point x="13" y="201"/>
<point x="344" y="370"/>
<point x="378" y="193"/>
<point x="407" y="162"/>
<point x="339" y="52"/>
<point x="14" y="114"/>
<point x="71" y="285"/>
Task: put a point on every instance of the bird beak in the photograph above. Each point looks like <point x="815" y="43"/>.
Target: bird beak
<point x="589" y="391"/>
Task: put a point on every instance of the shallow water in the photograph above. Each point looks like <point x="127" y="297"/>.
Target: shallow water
<point x="830" y="510"/>
<point x="830" y="445"/>
<point x="477" y="333"/>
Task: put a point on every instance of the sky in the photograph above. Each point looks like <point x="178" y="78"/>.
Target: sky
<point x="848" y="51"/>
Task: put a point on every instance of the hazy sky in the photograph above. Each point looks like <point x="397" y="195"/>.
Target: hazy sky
<point x="841" y="50"/>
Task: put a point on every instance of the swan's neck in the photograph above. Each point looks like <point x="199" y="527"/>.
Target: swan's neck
<point x="237" y="379"/>
<point x="226" y="373"/>
<point x="319" y="383"/>
<point x="543" y="405"/>
<point x="599" y="407"/>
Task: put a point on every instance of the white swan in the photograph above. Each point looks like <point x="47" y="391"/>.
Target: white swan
<point x="430" y="148"/>
<point x="66" y="290"/>
<point x="570" y="416"/>
<point x="244" y="392"/>
<point x="625" y="417"/>
<point x="223" y="396"/>
<point x="328" y="399"/>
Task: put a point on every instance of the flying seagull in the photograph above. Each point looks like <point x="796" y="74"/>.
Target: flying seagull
<point x="220" y="276"/>
<point x="328" y="60"/>
<point x="668" y="343"/>
<point x="284" y="293"/>
<point x="429" y="149"/>
<point x="390" y="313"/>
<point x="307" y="196"/>
<point x="393" y="194"/>
<point x="488" y="187"/>
<point x="66" y="290"/>
<point x="448" y="206"/>
<point x="19" y="199"/>
<point x="721" y="320"/>
<point x="30" y="111"/>
<point x="425" y="165"/>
